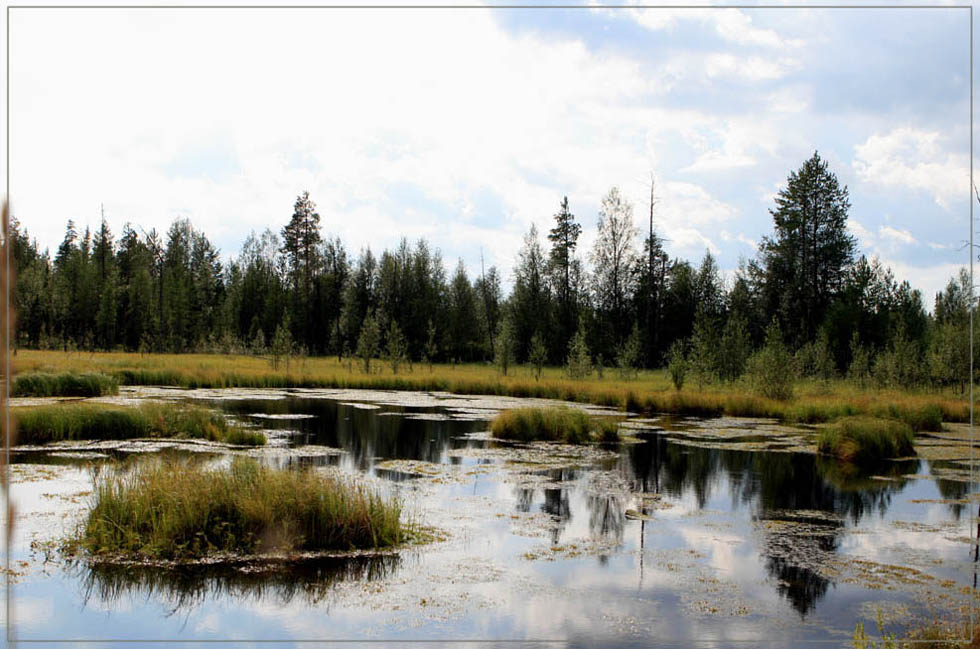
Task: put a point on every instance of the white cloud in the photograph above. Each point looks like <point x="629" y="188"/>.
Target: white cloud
<point x="732" y="25"/>
<point x="898" y="236"/>
<point x="910" y="158"/>
<point x="279" y="90"/>
<point x="866" y="238"/>
<point x="753" y="68"/>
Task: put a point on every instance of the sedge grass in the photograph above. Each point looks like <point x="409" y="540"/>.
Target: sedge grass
<point x="91" y="421"/>
<point x="865" y="440"/>
<point x="175" y="510"/>
<point x="64" y="384"/>
<point x="556" y="424"/>
<point x="651" y="391"/>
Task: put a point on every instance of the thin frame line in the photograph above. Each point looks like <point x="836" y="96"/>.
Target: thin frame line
<point x="6" y="388"/>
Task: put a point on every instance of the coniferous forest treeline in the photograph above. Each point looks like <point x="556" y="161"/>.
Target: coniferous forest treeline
<point x="617" y="305"/>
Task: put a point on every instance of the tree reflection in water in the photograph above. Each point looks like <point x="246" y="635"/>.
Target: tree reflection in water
<point x="184" y="587"/>
<point x="772" y="485"/>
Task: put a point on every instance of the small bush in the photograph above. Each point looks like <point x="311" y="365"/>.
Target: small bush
<point x="173" y="510"/>
<point x="866" y="439"/>
<point x="677" y="364"/>
<point x="559" y="424"/>
<point x="81" y="421"/>
<point x="770" y="370"/>
<point x="66" y="384"/>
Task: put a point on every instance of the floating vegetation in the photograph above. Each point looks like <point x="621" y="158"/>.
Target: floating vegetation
<point x="572" y="550"/>
<point x="529" y="457"/>
<point x="173" y="510"/>
<point x="64" y="384"/>
<point x="90" y="421"/>
<point x="866" y="439"/>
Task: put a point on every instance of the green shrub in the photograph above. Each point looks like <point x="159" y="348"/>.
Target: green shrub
<point x="173" y="510"/>
<point x="65" y="384"/>
<point x="866" y="439"/>
<point x="770" y="370"/>
<point x="677" y="363"/>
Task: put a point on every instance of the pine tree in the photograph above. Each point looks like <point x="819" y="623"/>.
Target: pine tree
<point x="804" y="263"/>
<point x="562" y="271"/>
<point x="301" y="247"/>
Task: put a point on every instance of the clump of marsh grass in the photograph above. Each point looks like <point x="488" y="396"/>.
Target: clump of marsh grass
<point x="927" y="417"/>
<point x="557" y="424"/>
<point x="174" y="510"/>
<point x="64" y="384"/>
<point x="866" y="439"/>
<point x="86" y="421"/>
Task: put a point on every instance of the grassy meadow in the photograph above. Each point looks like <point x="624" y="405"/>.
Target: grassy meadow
<point x="813" y="401"/>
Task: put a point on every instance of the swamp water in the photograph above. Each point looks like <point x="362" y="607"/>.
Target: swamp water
<point x="719" y="532"/>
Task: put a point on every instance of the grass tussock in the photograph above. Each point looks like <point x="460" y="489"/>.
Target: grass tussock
<point x="64" y="384"/>
<point x="173" y="510"/>
<point x="650" y="391"/>
<point x="89" y="421"/>
<point x="866" y="439"/>
<point x="558" y="424"/>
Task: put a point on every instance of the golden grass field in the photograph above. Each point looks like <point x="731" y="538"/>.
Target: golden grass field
<point x="651" y="391"/>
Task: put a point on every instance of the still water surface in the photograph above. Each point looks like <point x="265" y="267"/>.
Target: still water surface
<point x="666" y="541"/>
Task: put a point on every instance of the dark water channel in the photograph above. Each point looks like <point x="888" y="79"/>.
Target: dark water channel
<point x="659" y="542"/>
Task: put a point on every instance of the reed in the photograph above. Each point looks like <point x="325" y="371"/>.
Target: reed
<point x="88" y="421"/>
<point x="556" y="424"/>
<point x="64" y="384"/>
<point x="175" y="510"/>
<point x="866" y="439"/>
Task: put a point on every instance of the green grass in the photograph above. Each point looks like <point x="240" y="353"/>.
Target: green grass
<point x="557" y="424"/>
<point x="90" y="421"/>
<point x="64" y="384"/>
<point x="866" y="439"/>
<point x="174" y="510"/>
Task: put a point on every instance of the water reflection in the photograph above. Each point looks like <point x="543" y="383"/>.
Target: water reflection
<point x="365" y="434"/>
<point x="185" y="587"/>
<point x="768" y="486"/>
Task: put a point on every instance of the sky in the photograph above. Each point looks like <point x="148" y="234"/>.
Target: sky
<point x="467" y="126"/>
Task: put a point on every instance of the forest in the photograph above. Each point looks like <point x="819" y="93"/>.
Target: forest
<point x="624" y="304"/>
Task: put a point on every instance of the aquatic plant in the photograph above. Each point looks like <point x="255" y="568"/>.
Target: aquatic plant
<point x="80" y="421"/>
<point x="860" y="639"/>
<point x="64" y="384"/>
<point x="866" y="439"/>
<point x="556" y="424"/>
<point x="174" y="510"/>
